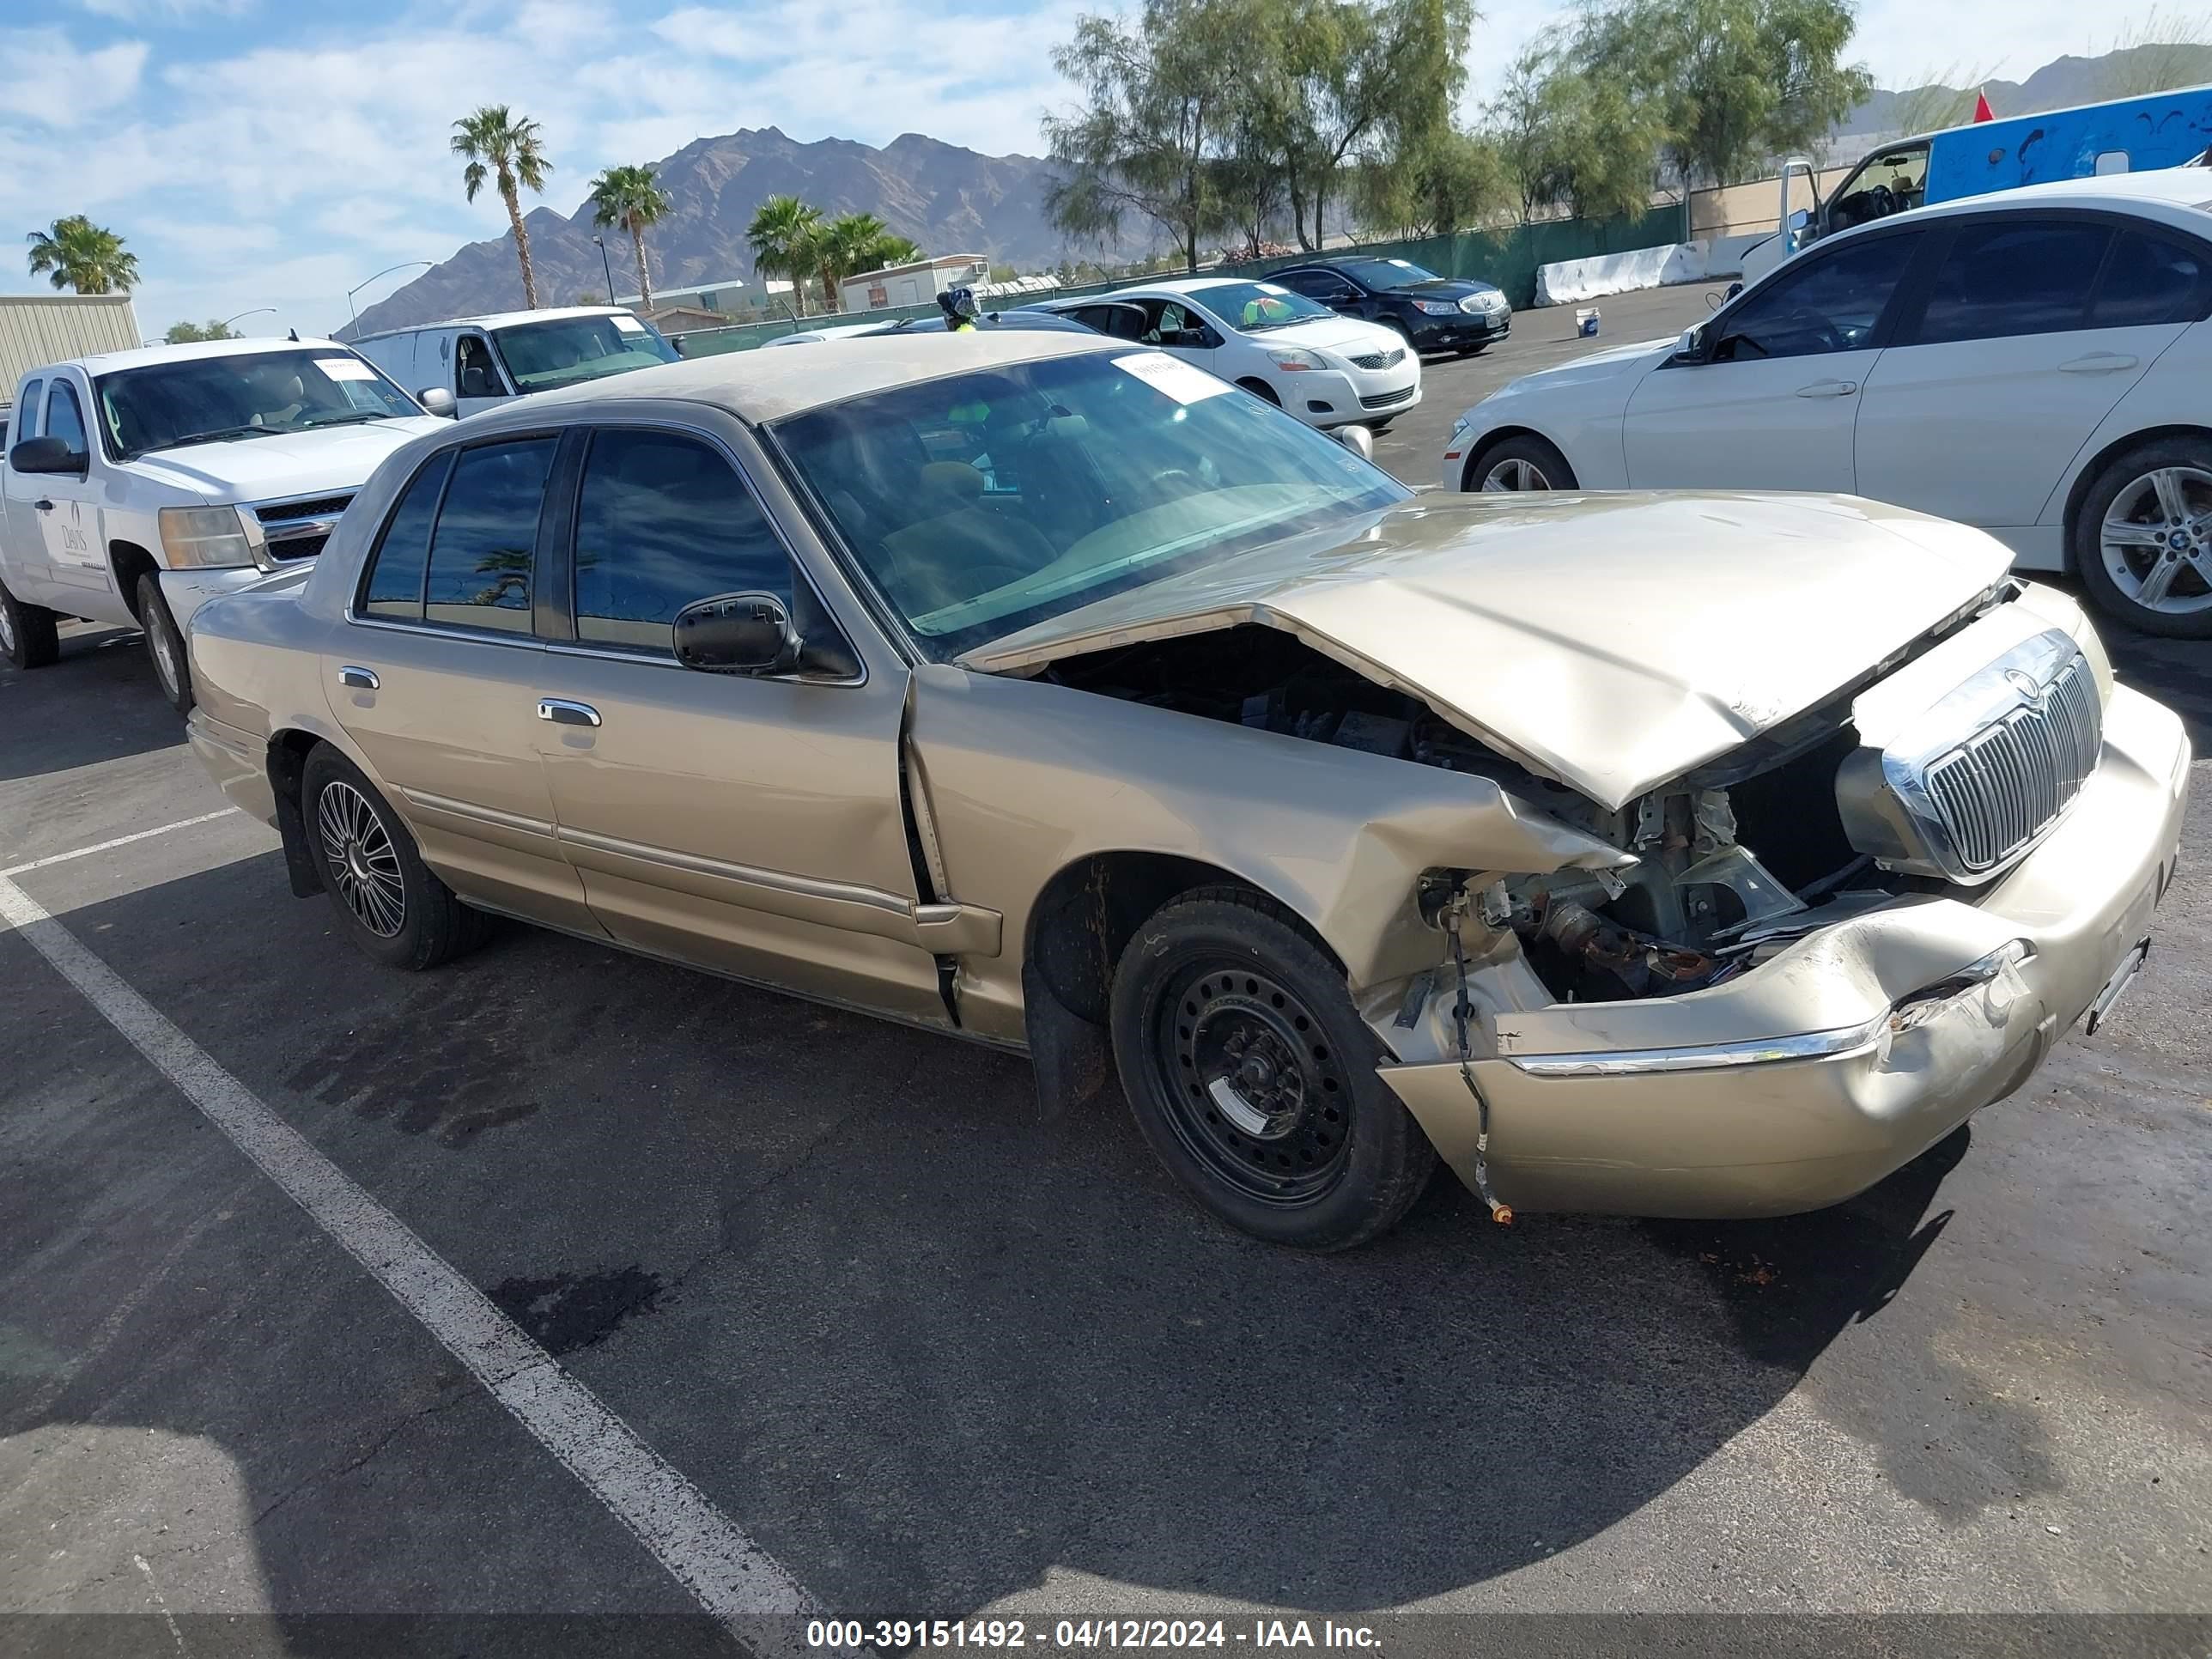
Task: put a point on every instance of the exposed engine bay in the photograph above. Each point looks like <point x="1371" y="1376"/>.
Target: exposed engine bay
<point x="1733" y="860"/>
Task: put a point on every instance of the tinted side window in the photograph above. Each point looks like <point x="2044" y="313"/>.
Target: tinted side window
<point x="66" y="417"/>
<point x="1832" y="304"/>
<point x="661" y="522"/>
<point x="2013" y="276"/>
<point x="1311" y="283"/>
<point x="395" y="574"/>
<point x="2148" y="281"/>
<point x="479" y="573"/>
<point x="27" y="412"/>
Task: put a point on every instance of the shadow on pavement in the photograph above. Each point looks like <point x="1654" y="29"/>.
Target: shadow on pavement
<point x="928" y="1352"/>
<point x="98" y="702"/>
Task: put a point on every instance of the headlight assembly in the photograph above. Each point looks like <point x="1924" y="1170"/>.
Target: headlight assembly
<point x="209" y="538"/>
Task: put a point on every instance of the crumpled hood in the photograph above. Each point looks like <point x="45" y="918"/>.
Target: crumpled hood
<point x="1610" y="642"/>
<point x="334" y="459"/>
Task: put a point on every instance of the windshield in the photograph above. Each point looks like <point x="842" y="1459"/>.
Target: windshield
<point x="980" y="503"/>
<point x="571" y="350"/>
<point x="240" y="396"/>
<point x="1252" y="307"/>
<point x="1387" y="273"/>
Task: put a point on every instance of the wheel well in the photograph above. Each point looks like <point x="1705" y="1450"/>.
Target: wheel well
<point x="1258" y="387"/>
<point x="287" y="764"/>
<point x="2085" y="479"/>
<point x="1490" y="440"/>
<point x="130" y="561"/>
<point x="1087" y="914"/>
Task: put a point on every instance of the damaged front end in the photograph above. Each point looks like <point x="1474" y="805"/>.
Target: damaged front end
<point x="1815" y="954"/>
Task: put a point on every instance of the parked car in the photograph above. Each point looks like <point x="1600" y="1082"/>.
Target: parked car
<point x="1631" y="854"/>
<point x="988" y="321"/>
<point x="2090" y="141"/>
<point x="478" y="362"/>
<point x="1431" y="313"/>
<point x="140" y="483"/>
<point x="1280" y="346"/>
<point x="2033" y="363"/>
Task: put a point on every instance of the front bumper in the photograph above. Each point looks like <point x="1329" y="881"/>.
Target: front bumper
<point x="186" y="591"/>
<point x="1744" y="1101"/>
<point x="1464" y="332"/>
<point x="1332" y="397"/>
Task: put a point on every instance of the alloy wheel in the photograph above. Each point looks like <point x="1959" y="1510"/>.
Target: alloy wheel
<point x="162" y="642"/>
<point x="2156" y="540"/>
<point x="1514" y="474"/>
<point x="364" y="864"/>
<point x="1254" y="1091"/>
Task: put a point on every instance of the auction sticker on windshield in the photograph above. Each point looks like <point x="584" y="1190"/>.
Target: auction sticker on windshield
<point x="627" y="325"/>
<point x="345" y="369"/>
<point x="1182" y="381"/>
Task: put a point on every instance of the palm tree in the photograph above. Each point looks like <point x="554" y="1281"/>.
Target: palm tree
<point x="858" y="241"/>
<point x="499" y="145"/>
<point x="786" y="237"/>
<point x="88" y="258"/>
<point x="628" y="197"/>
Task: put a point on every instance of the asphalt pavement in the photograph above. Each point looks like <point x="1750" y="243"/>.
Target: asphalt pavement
<point x="934" y="1359"/>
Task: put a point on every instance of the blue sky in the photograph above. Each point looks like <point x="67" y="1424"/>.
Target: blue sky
<point x="276" y="152"/>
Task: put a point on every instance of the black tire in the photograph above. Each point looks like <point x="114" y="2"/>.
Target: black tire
<point x="1221" y="981"/>
<point x="368" y="863"/>
<point x="165" y="644"/>
<point x="2128" y="481"/>
<point x="1262" y="391"/>
<point x="27" y="638"/>
<point x="1530" y="454"/>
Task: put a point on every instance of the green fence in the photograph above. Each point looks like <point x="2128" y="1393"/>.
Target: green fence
<point x="1507" y="258"/>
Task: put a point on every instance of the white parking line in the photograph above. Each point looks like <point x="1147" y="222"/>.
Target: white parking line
<point x="109" y="846"/>
<point x="734" y="1579"/>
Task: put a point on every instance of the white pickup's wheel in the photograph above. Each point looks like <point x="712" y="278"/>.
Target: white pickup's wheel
<point x="165" y="644"/>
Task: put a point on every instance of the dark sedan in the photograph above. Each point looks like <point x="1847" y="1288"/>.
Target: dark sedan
<point x="1435" y="313"/>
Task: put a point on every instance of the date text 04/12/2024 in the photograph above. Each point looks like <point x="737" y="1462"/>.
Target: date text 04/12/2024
<point x="901" y="1635"/>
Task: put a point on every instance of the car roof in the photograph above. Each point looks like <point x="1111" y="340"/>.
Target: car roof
<point x="107" y="362"/>
<point x="502" y="318"/>
<point x="759" y="386"/>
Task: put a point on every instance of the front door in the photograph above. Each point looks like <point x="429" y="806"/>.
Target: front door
<point x="434" y="678"/>
<point x="479" y="380"/>
<point x="77" y="552"/>
<point x="1772" y="403"/>
<point x="749" y="825"/>
<point x="2021" y="350"/>
<point x="1182" y="329"/>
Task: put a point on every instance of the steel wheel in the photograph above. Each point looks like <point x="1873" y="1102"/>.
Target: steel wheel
<point x="7" y="629"/>
<point x="1258" y="1096"/>
<point x="2156" y="540"/>
<point x="364" y="865"/>
<point x="162" y="644"/>
<point x="1511" y="473"/>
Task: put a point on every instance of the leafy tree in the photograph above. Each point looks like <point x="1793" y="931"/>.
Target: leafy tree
<point x="189" y="333"/>
<point x="83" y="257"/>
<point x="1157" y="99"/>
<point x="786" y="236"/>
<point x="1451" y="179"/>
<point x="858" y="242"/>
<point x="1735" y="82"/>
<point x="1520" y="126"/>
<point x="629" y="197"/>
<point x="509" y="150"/>
<point x="1568" y="134"/>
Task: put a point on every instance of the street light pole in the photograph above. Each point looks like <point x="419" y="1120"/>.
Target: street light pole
<point x="607" y="266"/>
<point x="257" y="311"/>
<point x="403" y="264"/>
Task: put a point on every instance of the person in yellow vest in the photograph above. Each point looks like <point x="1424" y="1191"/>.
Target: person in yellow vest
<point x="959" y="305"/>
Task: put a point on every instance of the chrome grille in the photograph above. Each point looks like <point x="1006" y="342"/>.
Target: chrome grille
<point x="1390" y="359"/>
<point x="298" y="530"/>
<point x="2000" y="788"/>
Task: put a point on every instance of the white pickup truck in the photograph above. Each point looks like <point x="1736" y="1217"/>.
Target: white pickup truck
<point x="139" y="484"/>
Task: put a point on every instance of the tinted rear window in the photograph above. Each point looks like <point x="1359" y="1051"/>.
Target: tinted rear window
<point x="480" y="558"/>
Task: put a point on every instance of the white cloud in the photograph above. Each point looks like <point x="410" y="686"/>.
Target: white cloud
<point x="141" y="11"/>
<point x="51" y="82"/>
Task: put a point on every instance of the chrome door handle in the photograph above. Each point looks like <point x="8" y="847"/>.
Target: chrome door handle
<point x="359" y="679"/>
<point x="2097" y="362"/>
<point x="562" y="712"/>
<point x="1828" y="389"/>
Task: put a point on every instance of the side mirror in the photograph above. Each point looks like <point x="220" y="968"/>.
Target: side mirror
<point x="1357" y="439"/>
<point x="1692" y="345"/>
<point x="1800" y="219"/>
<point x="436" y="400"/>
<point x="737" y="634"/>
<point x="47" y="455"/>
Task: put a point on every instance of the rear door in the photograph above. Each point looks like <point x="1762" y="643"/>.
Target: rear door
<point x="2033" y="327"/>
<point x="434" y="676"/>
<point x="1772" y="403"/>
<point x="750" y="825"/>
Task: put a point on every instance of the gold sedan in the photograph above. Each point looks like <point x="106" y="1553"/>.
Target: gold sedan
<point x="1682" y="856"/>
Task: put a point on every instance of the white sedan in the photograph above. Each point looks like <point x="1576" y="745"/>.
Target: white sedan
<point x="2033" y="363"/>
<point x="1327" y="370"/>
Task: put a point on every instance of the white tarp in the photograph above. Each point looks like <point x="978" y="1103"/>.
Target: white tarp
<point x="1616" y="273"/>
